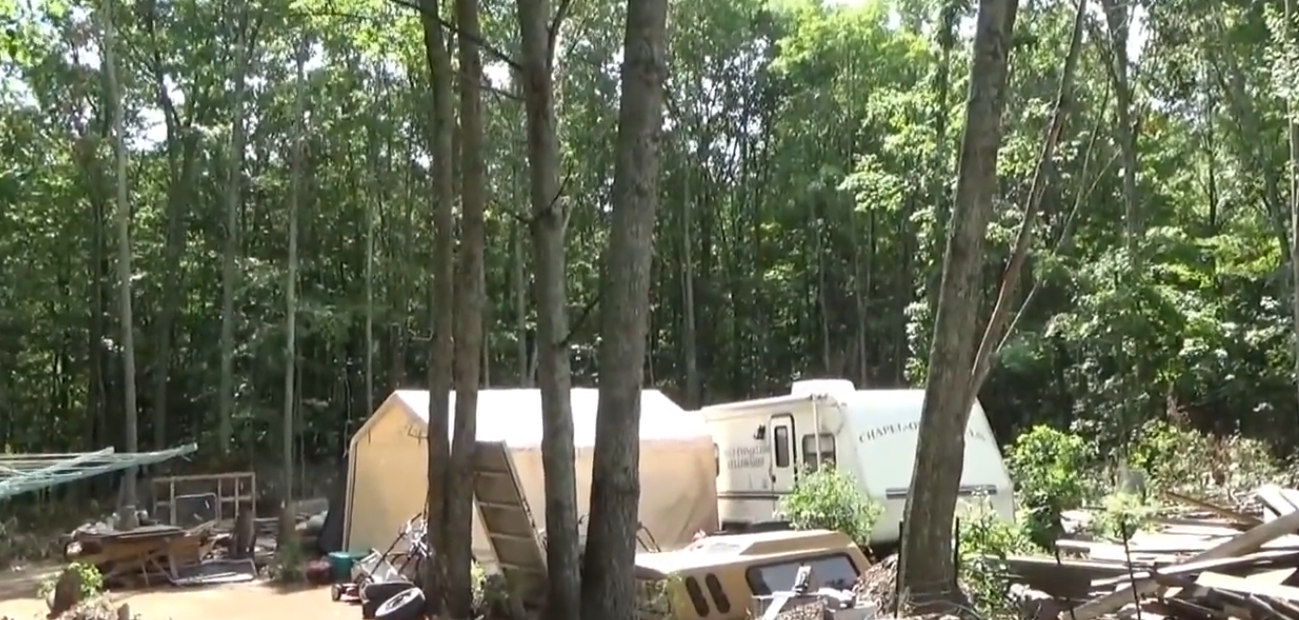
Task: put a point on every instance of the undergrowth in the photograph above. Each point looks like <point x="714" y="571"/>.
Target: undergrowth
<point x="830" y="499"/>
<point x="1057" y="471"/>
<point x="90" y="583"/>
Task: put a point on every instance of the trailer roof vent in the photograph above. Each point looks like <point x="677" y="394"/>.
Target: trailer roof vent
<point x="831" y="387"/>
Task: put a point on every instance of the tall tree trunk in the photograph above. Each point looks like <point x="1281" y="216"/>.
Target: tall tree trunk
<point x="549" y="218"/>
<point x="519" y="278"/>
<point x="371" y="209"/>
<point x="608" y="583"/>
<point x="229" y="271"/>
<point x="689" y="332"/>
<point x="948" y="15"/>
<point x="1293" y="127"/>
<point x="182" y="150"/>
<point x="441" y="307"/>
<point x="927" y="571"/>
<point x="1118" y="19"/>
<point x="109" y="56"/>
<point x="296" y="187"/>
<point x="470" y="297"/>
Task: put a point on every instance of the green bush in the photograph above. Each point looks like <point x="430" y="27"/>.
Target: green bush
<point x="92" y="583"/>
<point x="1122" y="515"/>
<point x="829" y="499"/>
<point x="1183" y="459"/>
<point x="984" y="541"/>
<point x="1048" y="466"/>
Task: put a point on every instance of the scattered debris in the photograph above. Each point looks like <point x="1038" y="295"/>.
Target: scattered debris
<point x="879" y="583"/>
<point x="1222" y="563"/>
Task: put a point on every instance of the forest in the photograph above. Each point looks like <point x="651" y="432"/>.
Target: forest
<point x="807" y="161"/>
<point x="245" y="224"/>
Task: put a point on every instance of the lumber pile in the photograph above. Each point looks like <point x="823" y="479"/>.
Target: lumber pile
<point x="1222" y="564"/>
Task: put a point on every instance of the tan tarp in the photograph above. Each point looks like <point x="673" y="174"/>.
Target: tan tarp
<point x="387" y="476"/>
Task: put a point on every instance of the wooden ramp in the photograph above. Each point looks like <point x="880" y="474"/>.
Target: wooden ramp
<point x="507" y="521"/>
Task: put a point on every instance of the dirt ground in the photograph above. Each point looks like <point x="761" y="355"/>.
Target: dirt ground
<point x="251" y="601"/>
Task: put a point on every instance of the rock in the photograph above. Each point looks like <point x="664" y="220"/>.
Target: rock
<point x="67" y="592"/>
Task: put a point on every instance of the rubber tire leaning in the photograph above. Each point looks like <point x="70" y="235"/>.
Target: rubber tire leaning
<point x="407" y="605"/>
<point x="374" y="595"/>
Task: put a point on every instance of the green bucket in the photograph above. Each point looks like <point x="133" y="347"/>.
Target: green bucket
<point x="340" y="566"/>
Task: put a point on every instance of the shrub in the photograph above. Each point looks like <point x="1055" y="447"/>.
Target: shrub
<point x="984" y="541"/>
<point x="1048" y="467"/>
<point x="1183" y="459"/>
<point x="90" y="581"/>
<point x="1122" y="515"/>
<point x="829" y="499"/>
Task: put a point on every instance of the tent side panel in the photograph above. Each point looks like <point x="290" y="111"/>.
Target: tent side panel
<point x="677" y="480"/>
<point x="389" y="483"/>
<point x="678" y="490"/>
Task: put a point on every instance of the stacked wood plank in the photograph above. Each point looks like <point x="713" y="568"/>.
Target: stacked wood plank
<point x="1220" y="564"/>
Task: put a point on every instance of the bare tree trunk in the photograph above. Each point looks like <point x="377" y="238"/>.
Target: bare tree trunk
<point x="1118" y="19"/>
<point x="689" y="331"/>
<point x="297" y="164"/>
<point x="519" y="275"/>
<point x="548" y="242"/>
<point x="229" y="273"/>
<point x="471" y="304"/>
<point x="927" y="571"/>
<point x="441" y="303"/>
<point x="371" y="211"/>
<point x="608" y="582"/>
<point x="1293" y="126"/>
<point x="109" y="56"/>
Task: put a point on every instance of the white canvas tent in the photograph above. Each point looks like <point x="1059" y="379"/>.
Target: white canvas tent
<point x="387" y="472"/>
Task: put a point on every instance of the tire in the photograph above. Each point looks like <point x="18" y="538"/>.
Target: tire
<point x="336" y="592"/>
<point x="384" y="590"/>
<point x="406" y="605"/>
<point x="374" y="595"/>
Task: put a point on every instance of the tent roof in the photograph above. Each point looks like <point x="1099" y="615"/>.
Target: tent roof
<point x="513" y="416"/>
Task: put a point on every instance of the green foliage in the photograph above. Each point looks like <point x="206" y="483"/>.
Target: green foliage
<point x="92" y="583"/>
<point x="490" y="592"/>
<point x="1169" y="454"/>
<point x="1123" y="515"/>
<point x="1049" y="468"/>
<point x="808" y="161"/>
<point x="830" y="499"/>
<point x="1182" y="459"/>
<point x="288" y="567"/>
<point x="655" y="600"/>
<point x="984" y="541"/>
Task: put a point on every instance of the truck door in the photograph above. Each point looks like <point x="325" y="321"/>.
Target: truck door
<point x="784" y="455"/>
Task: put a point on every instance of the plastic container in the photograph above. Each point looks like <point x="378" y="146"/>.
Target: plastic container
<point x="340" y="565"/>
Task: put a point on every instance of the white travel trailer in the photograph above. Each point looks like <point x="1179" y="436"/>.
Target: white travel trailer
<point x="762" y="446"/>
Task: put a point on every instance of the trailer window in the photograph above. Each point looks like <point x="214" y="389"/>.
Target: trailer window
<point x="818" y="449"/>
<point x="831" y="571"/>
<point x="782" y="446"/>
<point x="717" y="461"/>
<point x="696" y="595"/>
<point x="720" y="601"/>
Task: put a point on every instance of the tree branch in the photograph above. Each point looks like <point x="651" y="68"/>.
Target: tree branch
<point x="552" y="32"/>
<point x="477" y="40"/>
<point x="1024" y="238"/>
